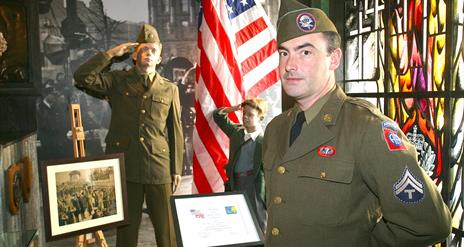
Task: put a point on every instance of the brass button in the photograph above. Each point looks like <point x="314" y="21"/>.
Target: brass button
<point x="117" y="144"/>
<point x="142" y="125"/>
<point x="275" y="231"/>
<point x="328" y="117"/>
<point x="281" y="170"/>
<point x="143" y="111"/>
<point x="144" y="97"/>
<point x="150" y="36"/>
<point x="162" y="100"/>
<point x="127" y="93"/>
<point x="164" y="150"/>
<point x="323" y="175"/>
<point x="142" y="139"/>
<point x="277" y="200"/>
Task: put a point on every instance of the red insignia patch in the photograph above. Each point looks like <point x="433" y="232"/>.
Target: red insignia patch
<point x="326" y="151"/>
<point x="393" y="141"/>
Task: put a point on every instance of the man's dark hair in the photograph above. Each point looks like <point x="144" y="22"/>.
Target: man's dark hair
<point x="333" y="41"/>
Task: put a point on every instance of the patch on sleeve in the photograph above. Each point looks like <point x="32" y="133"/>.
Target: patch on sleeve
<point x="394" y="142"/>
<point x="408" y="189"/>
<point x="390" y="125"/>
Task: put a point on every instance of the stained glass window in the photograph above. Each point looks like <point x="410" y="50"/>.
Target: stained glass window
<point x="407" y="57"/>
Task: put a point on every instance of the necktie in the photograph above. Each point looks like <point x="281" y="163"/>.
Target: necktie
<point x="296" y="128"/>
<point x="146" y="80"/>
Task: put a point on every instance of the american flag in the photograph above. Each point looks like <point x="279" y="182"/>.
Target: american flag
<point x="238" y="59"/>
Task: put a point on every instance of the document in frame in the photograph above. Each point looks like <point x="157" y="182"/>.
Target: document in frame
<point x="219" y="219"/>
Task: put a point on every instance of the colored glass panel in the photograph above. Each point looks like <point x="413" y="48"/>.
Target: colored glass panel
<point x="364" y="47"/>
<point x="423" y="85"/>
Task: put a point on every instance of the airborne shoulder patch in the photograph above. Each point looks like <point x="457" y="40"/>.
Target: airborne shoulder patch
<point x="390" y="135"/>
<point x="408" y="189"/>
<point x="394" y="142"/>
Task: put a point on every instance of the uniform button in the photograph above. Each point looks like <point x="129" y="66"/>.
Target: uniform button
<point x="162" y="100"/>
<point x="117" y="144"/>
<point x="281" y="170"/>
<point x="127" y="94"/>
<point x="275" y="231"/>
<point x="277" y="200"/>
<point x="143" y="111"/>
<point x="142" y="125"/>
<point x="328" y="117"/>
<point x="144" y="97"/>
<point x="164" y="150"/>
<point x="323" y="175"/>
<point x="142" y="139"/>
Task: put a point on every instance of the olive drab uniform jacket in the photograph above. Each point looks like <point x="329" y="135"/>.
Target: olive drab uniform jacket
<point x="351" y="178"/>
<point x="145" y="122"/>
<point x="236" y="133"/>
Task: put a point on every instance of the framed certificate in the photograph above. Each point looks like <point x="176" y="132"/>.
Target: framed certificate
<point x="219" y="219"/>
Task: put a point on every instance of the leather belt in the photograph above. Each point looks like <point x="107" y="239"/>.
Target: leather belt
<point x="244" y="174"/>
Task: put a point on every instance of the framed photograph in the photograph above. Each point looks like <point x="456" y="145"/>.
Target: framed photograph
<point x="219" y="219"/>
<point x="83" y="195"/>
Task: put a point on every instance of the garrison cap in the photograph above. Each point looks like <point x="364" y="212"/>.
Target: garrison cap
<point x="148" y="34"/>
<point x="297" y="19"/>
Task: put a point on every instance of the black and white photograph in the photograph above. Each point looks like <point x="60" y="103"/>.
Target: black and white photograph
<point x="83" y="194"/>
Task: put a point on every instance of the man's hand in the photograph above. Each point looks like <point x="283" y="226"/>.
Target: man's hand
<point x="121" y="49"/>
<point x="176" y="180"/>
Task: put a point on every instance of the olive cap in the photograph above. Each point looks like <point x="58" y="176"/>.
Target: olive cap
<point x="148" y="34"/>
<point x="297" y="19"/>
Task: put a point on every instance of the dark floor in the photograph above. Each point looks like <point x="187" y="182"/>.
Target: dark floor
<point x="146" y="233"/>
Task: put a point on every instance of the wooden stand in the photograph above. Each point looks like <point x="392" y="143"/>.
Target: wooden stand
<point x="78" y="138"/>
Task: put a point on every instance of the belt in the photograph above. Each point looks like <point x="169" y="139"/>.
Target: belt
<point x="244" y="174"/>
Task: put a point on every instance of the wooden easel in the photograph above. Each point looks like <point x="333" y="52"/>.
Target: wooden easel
<point x="78" y="138"/>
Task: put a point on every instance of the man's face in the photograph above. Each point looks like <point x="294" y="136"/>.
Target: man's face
<point x="250" y="118"/>
<point x="305" y="66"/>
<point x="147" y="56"/>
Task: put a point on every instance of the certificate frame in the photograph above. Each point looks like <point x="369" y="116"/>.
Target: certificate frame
<point x="217" y="219"/>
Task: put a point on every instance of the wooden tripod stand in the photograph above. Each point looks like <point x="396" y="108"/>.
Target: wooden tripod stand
<point x="78" y="138"/>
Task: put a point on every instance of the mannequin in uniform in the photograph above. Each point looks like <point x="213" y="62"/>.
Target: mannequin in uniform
<point x="145" y="126"/>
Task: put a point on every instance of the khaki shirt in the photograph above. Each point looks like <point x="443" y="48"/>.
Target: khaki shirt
<point x="343" y="182"/>
<point x="145" y="123"/>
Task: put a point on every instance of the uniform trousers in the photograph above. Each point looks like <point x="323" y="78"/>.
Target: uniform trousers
<point x="157" y="199"/>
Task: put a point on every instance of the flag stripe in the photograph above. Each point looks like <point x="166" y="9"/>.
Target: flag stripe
<point x="258" y="57"/>
<point x="212" y="53"/>
<point x="222" y="40"/>
<point x="267" y="81"/>
<point x="249" y="31"/>
<point x="199" y="178"/>
<point x="257" y="73"/>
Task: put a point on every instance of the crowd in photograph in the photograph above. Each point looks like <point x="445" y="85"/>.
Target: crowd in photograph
<point x="77" y="203"/>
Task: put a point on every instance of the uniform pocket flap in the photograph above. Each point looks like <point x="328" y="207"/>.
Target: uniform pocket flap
<point x="339" y="171"/>
<point x="161" y="100"/>
<point x="159" y="148"/>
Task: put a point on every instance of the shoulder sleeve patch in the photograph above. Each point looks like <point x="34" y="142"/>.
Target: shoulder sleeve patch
<point x="408" y="188"/>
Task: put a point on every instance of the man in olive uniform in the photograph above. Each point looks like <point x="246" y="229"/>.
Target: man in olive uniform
<point x="338" y="172"/>
<point x="145" y="126"/>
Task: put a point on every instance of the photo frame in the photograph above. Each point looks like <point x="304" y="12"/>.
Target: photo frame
<point x="19" y="47"/>
<point x="219" y="219"/>
<point x="83" y="195"/>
